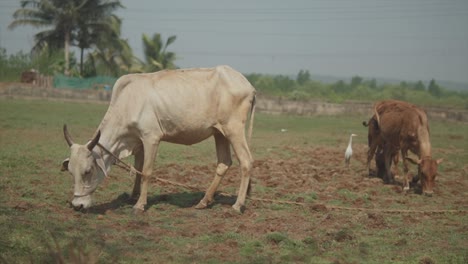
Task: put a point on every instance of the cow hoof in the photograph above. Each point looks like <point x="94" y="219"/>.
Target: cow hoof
<point x="138" y="210"/>
<point x="238" y="208"/>
<point x="201" y="205"/>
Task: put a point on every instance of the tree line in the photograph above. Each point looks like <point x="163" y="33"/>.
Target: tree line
<point x="303" y="87"/>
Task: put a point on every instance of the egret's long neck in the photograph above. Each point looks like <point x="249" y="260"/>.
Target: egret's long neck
<point x="350" y="140"/>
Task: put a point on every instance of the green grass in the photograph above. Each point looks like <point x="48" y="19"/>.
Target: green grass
<point x="36" y="223"/>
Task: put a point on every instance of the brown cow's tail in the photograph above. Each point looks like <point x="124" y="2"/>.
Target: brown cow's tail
<point x="376" y="114"/>
<point x="252" y="115"/>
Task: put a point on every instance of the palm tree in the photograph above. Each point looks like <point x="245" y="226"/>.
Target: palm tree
<point x="64" y="18"/>
<point x="96" y="23"/>
<point x="157" y="58"/>
<point x="112" y="55"/>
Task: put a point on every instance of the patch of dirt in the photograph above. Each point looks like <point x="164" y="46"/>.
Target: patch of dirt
<point x="315" y="180"/>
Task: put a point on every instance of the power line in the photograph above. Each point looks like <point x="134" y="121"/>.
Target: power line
<point x="324" y="54"/>
<point x="309" y="34"/>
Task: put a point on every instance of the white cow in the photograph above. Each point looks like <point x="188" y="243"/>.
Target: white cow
<point x="179" y="106"/>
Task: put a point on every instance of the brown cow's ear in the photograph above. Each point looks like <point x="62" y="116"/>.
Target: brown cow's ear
<point x="65" y="165"/>
<point x="413" y="161"/>
<point x="439" y="161"/>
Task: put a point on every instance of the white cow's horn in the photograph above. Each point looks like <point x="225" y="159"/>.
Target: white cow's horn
<point x="67" y="136"/>
<point x="94" y="142"/>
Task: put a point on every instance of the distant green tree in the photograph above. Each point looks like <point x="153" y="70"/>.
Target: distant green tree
<point x="265" y="84"/>
<point x="12" y="66"/>
<point x="434" y="89"/>
<point x="303" y="77"/>
<point x="356" y="81"/>
<point x="419" y="86"/>
<point x="372" y="83"/>
<point x="253" y="78"/>
<point x="399" y="93"/>
<point x="112" y="55"/>
<point x="50" y="61"/>
<point x="156" y="55"/>
<point x="404" y="84"/>
<point x="339" y="87"/>
<point x="284" y="83"/>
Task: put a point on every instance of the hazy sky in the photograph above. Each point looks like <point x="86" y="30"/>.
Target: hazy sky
<point x="405" y="39"/>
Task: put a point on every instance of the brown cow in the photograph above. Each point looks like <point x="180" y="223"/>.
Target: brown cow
<point x="400" y="126"/>
<point x="376" y="148"/>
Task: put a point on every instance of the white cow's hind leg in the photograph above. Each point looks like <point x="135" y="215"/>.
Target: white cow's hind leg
<point x="223" y="152"/>
<point x="242" y="151"/>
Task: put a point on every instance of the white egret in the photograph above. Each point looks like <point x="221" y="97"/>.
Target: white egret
<point x="349" y="150"/>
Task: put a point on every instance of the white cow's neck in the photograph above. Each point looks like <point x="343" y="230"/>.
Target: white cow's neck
<point x="109" y="140"/>
<point x="116" y="141"/>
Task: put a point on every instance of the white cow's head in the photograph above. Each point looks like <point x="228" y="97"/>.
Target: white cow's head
<point x="87" y="168"/>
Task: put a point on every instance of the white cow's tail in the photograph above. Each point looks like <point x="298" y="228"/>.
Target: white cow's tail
<point x="249" y="137"/>
<point x="252" y="115"/>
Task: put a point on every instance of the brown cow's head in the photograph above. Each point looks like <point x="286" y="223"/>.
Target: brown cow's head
<point x="427" y="173"/>
<point x="87" y="168"/>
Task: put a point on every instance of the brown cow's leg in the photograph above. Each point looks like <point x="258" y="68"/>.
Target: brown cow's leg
<point x="239" y="144"/>
<point x="150" y="150"/>
<point x="388" y="177"/>
<point x="370" y="154"/>
<point x="406" y="177"/>
<point x="223" y="152"/>
<point x="371" y="143"/>
<point x="380" y="163"/>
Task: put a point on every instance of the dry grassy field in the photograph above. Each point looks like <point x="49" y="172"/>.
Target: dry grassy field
<point x="333" y="214"/>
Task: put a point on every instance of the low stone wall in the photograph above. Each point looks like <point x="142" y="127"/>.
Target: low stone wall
<point x="264" y="104"/>
<point x="14" y="90"/>
<point x="311" y="108"/>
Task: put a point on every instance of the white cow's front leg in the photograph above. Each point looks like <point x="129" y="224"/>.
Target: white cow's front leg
<point x="139" y="159"/>
<point x="150" y="151"/>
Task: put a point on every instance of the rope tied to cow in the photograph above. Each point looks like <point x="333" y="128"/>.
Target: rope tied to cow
<point x="314" y="206"/>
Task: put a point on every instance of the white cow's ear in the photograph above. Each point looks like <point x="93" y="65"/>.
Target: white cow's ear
<point x="102" y="166"/>
<point x="65" y="165"/>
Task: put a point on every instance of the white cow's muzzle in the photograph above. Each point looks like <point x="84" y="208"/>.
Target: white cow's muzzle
<point x="81" y="202"/>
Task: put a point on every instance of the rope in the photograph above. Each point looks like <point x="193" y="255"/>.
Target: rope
<point x="317" y="206"/>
